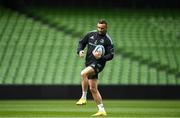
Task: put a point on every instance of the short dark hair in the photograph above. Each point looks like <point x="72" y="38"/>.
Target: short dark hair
<point x="102" y="21"/>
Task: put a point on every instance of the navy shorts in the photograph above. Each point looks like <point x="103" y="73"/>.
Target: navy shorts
<point x="97" y="68"/>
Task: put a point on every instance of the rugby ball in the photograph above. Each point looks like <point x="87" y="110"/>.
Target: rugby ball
<point x="100" y="49"/>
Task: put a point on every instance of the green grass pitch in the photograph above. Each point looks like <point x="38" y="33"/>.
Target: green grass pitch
<point x="67" y="108"/>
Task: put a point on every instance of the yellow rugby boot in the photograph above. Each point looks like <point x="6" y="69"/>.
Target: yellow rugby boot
<point x="81" y="101"/>
<point x="100" y="113"/>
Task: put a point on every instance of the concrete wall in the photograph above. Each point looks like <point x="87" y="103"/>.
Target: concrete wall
<point x="74" y="92"/>
<point x="98" y="3"/>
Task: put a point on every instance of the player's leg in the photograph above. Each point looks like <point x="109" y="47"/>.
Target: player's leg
<point x="93" y="84"/>
<point x="84" y="83"/>
<point x="94" y="90"/>
<point x="84" y="77"/>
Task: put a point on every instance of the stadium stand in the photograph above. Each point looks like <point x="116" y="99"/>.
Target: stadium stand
<point x="38" y="46"/>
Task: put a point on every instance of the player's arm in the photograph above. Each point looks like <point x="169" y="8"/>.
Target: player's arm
<point x="81" y="45"/>
<point x="109" y="53"/>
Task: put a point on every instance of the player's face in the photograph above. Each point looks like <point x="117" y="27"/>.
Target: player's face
<point x="101" y="28"/>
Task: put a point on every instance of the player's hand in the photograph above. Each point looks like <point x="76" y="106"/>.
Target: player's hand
<point x="82" y="53"/>
<point x="96" y="54"/>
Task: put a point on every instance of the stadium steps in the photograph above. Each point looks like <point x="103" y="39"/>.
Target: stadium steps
<point x="30" y="52"/>
<point x="137" y="62"/>
<point x="154" y="57"/>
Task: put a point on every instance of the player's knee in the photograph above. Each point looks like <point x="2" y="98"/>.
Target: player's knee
<point x="83" y="74"/>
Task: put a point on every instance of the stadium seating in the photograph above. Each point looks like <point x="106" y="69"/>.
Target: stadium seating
<point x="38" y="46"/>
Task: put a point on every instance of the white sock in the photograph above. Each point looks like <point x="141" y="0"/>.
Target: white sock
<point x="84" y="95"/>
<point x="101" y="107"/>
